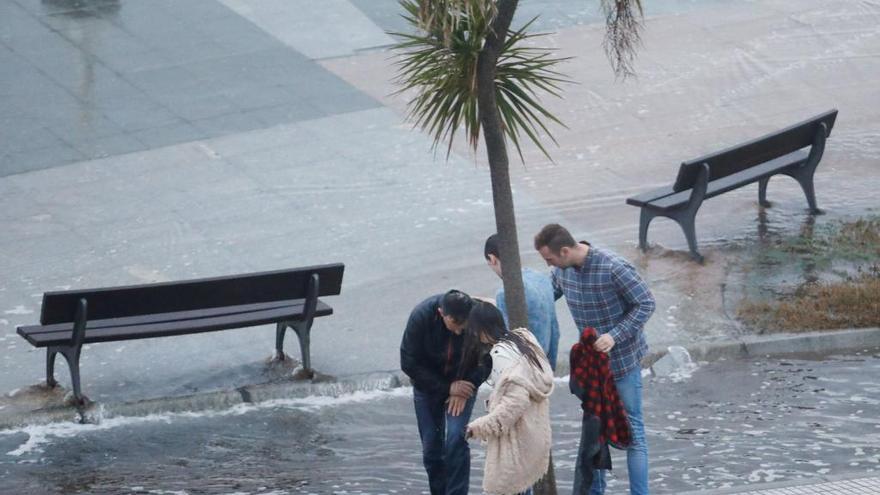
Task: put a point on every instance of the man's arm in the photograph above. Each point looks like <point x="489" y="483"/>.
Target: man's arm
<point x="502" y="306"/>
<point x="630" y="285"/>
<point x="478" y="375"/>
<point x="539" y="322"/>
<point x="557" y="287"/>
<point x="413" y="362"/>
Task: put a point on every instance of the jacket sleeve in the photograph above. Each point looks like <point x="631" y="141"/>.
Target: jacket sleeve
<point x="506" y="412"/>
<point x="479" y="375"/>
<point x="501" y="304"/>
<point x="638" y="297"/>
<point x="557" y="288"/>
<point x="413" y="360"/>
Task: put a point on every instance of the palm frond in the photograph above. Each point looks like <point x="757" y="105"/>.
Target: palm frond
<point x="438" y="65"/>
<point x="623" y="27"/>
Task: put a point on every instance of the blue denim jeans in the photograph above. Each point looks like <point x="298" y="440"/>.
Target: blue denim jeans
<point x="629" y="387"/>
<point x="445" y="451"/>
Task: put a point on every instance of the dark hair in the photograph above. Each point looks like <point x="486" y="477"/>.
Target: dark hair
<point x="491" y="247"/>
<point x="485" y="318"/>
<point x="555" y="237"/>
<point x="456" y="305"/>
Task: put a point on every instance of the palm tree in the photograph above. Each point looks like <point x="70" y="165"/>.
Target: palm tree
<point x="468" y="68"/>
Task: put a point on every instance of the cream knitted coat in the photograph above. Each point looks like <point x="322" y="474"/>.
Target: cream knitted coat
<point x="517" y="426"/>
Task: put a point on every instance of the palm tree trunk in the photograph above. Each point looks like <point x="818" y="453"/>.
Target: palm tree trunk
<point x="496" y="150"/>
<point x="502" y="195"/>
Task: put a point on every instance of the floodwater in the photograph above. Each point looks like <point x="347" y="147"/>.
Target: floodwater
<point x="772" y="420"/>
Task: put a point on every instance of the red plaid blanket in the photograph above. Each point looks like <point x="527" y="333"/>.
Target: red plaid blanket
<point x="592" y="372"/>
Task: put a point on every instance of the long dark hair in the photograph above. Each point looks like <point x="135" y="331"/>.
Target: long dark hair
<point x="486" y="319"/>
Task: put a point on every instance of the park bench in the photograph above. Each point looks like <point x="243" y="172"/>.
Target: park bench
<point x="287" y="298"/>
<point x="778" y="153"/>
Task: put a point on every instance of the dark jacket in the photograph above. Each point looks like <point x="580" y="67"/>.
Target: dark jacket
<point x="430" y="354"/>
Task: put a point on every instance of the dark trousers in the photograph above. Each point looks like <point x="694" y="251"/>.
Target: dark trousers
<point x="445" y="450"/>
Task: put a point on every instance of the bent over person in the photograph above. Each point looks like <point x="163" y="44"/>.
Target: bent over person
<point x="443" y="391"/>
<point x="605" y="292"/>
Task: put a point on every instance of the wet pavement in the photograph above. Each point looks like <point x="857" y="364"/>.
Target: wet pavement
<point x="723" y="425"/>
<point x="857" y="486"/>
<point x="96" y="78"/>
<point x="147" y="141"/>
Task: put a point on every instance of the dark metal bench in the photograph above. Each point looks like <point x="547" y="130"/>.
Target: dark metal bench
<point x="780" y="152"/>
<point x="288" y="298"/>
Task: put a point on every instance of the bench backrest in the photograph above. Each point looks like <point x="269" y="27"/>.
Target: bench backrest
<point x="754" y="152"/>
<point x="186" y="295"/>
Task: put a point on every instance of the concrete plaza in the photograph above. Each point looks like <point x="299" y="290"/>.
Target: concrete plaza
<point x="146" y="141"/>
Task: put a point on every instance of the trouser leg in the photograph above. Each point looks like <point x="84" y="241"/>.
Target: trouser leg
<point x="430" y="415"/>
<point x="630" y="389"/>
<point x="457" y="452"/>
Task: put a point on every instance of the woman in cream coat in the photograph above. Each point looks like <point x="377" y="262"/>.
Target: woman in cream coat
<point x="517" y="426"/>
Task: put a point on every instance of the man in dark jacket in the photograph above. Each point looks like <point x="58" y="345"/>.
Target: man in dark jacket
<point x="430" y="354"/>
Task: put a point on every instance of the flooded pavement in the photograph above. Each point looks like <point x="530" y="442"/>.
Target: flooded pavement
<point x="151" y="141"/>
<point x="771" y="420"/>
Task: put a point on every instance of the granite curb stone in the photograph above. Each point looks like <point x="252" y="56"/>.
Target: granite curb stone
<point x="777" y="345"/>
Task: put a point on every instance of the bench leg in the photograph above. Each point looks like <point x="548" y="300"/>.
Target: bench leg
<point x="762" y="192"/>
<point x="644" y="220"/>
<point x="686" y="220"/>
<point x="50" y="368"/>
<point x="71" y="355"/>
<point x="280" y="329"/>
<point x="303" y="330"/>
<point x="806" y="182"/>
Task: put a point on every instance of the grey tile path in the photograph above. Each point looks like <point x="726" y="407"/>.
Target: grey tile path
<point x="307" y="25"/>
<point x="92" y="79"/>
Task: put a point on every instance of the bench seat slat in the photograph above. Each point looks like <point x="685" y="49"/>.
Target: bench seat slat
<point x="733" y="181"/>
<point x="169" y="328"/>
<point x="647" y="197"/>
<point x="161" y="317"/>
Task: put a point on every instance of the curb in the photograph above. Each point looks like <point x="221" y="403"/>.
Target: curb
<point x="819" y="342"/>
<point x="206" y="401"/>
<point x="777" y="345"/>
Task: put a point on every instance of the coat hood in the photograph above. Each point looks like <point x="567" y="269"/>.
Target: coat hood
<point x="509" y="365"/>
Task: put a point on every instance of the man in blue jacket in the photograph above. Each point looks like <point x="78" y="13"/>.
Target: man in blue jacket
<point x="430" y="354"/>
<point x="540" y="301"/>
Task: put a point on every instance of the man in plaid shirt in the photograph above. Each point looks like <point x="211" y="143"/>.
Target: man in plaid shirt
<point x="605" y="292"/>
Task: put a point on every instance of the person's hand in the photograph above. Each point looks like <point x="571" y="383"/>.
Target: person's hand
<point x="455" y="405"/>
<point x="461" y="388"/>
<point x="604" y="343"/>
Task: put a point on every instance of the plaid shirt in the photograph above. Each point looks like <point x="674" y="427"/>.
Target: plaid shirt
<point x="607" y="293"/>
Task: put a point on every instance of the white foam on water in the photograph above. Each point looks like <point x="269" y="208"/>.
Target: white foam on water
<point x="315" y="402"/>
<point x="684" y="365"/>
<point x="41" y="435"/>
<point x="18" y="310"/>
<point x="765" y="476"/>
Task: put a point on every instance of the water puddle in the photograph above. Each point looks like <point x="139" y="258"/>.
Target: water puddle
<point x="726" y="424"/>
